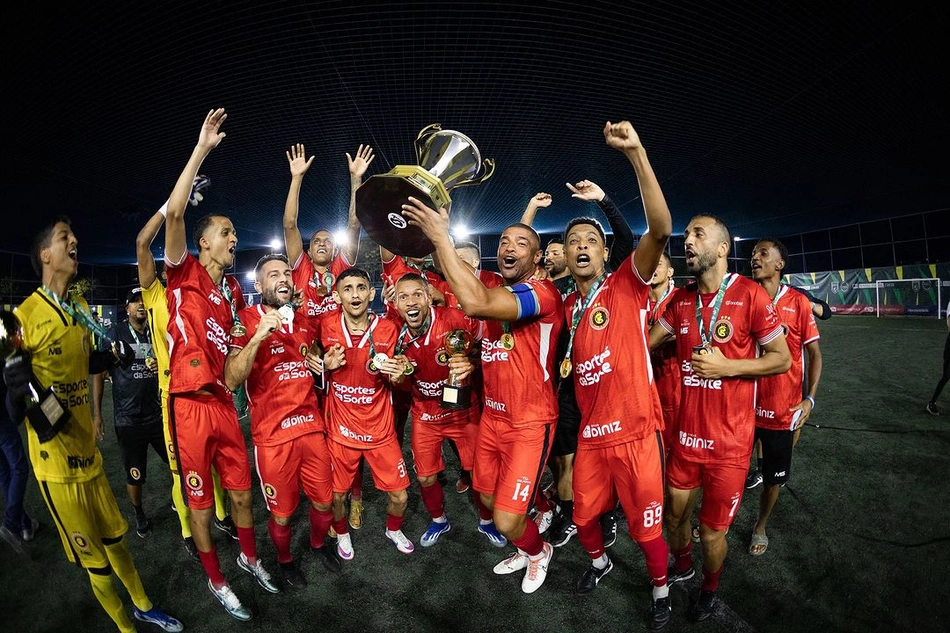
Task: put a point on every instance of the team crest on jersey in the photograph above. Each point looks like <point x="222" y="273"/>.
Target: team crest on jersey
<point x="195" y="362"/>
<point x="303" y="350"/>
<point x="80" y="541"/>
<point x="599" y="318"/>
<point x="442" y="358"/>
<point x="723" y="331"/>
<point x="371" y="367"/>
<point x="171" y="450"/>
<point x="194" y="481"/>
<point x="135" y="473"/>
<point x="270" y="492"/>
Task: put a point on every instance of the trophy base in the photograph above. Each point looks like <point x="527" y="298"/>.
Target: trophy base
<point x="456" y="398"/>
<point x="379" y="203"/>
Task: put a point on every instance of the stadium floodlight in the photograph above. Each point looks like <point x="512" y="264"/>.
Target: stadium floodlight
<point x="275" y="244"/>
<point x="736" y="238"/>
<point x="340" y="238"/>
<point x="251" y="276"/>
<point x="461" y="232"/>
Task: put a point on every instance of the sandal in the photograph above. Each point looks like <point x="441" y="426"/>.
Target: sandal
<point x="760" y="543"/>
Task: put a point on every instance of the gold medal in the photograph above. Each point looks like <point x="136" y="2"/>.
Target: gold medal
<point x="409" y="369"/>
<point x="151" y="363"/>
<point x="508" y="341"/>
<point x="238" y="331"/>
<point x="566" y="368"/>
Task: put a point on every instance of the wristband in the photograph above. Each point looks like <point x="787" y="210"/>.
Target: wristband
<point x="812" y="401"/>
<point x="164" y="209"/>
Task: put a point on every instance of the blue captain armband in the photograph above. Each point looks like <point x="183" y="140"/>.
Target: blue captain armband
<point x="528" y="304"/>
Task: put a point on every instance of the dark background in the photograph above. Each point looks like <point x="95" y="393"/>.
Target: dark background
<point x="780" y="117"/>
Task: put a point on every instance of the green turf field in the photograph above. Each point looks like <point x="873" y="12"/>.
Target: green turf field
<point x="860" y="538"/>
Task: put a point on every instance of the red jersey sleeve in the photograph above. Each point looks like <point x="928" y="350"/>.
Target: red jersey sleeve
<point x="765" y="322"/>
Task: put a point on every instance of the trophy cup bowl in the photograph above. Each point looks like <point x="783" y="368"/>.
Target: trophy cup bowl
<point x="447" y="159"/>
<point x="456" y="394"/>
<point x="46" y="413"/>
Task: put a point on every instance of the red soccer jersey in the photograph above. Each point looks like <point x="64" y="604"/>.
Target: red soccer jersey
<point x="666" y="367"/>
<point x="430" y="360"/>
<point x="779" y="393"/>
<point x="716" y="420"/>
<point x="359" y="405"/>
<point x="280" y="387"/>
<point x="305" y="278"/>
<point x="199" y="329"/>
<point x="613" y="376"/>
<point x="518" y="385"/>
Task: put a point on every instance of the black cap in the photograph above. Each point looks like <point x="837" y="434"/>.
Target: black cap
<point x="134" y="296"/>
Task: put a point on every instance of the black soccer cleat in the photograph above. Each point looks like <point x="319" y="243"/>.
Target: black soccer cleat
<point x="143" y="527"/>
<point x="588" y="582"/>
<point x="191" y="549"/>
<point x="329" y="559"/>
<point x="754" y="479"/>
<point x="674" y="575"/>
<point x="660" y="614"/>
<point x="608" y="524"/>
<point x="227" y="525"/>
<point x="292" y="576"/>
<point x="932" y="408"/>
<point x="704" y="607"/>
<point x="562" y="532"/>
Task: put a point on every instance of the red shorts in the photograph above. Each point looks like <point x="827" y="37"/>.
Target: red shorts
<point x="632" y="472"/>
<point x="385" y="462"/>
<point x="427" y="445"/>
<point x="722" y="484"/>
<point x="207" y="434"/>
<point x="303" y="462"/>
<point x="509" y="462"/>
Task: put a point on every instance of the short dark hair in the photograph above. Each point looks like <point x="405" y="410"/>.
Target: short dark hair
<point x="666" y="256"/>
<point x="781" y="248"/>
<point x="413" y="277"/>
<point x="203" y="223"/>
<point x="587" y="220"/>
<point x="42" y="240"/>
<point x="522" y="225"/>
<point x="469" y="245"/>
<point x="314" y="234"/>
<point x="352" y="272"/>
<point x="272" y="257"/>
<point x="557" y="240"/>
<point x="722" y="227"/>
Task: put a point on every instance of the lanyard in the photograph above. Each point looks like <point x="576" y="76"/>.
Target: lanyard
<point x="368" y="335"/>
<point x="580" y="306"/>
<point x="659" y="302"/>
<point x="782" y="288"/>
<point x="226" y="291"/>
<point x="327" y="280"/>
<point x="704" y="333"/>
<point x="400" y="348"/>
<point x="82" y="315"/>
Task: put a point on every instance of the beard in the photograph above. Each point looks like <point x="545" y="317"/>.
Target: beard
<point x="270" y="298"/>
<point x="554" y="269"/>
<point x="702" y="263"/>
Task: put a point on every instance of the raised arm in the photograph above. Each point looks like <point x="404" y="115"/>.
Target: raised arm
<point x="357" y="167"/>
<point x="621" y="136"/>
<point x="299" y="164"/>
<point x="176" y="244"/>
<point x="539" y="201"/>
<point x="475" y="299"/>
<point x="622" y="245"/>
<point x="143" y="247"/>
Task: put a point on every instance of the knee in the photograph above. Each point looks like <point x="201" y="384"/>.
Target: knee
<point x="508" y="523"/>
<point x="672" y="520"/>
<point x="427" y="481"/>
<point x="241" y="498"/>
<point x="338" y="499"/>
<point x="399" y="499"/>
<point x="280" y="520"/>
<point x="710" y="537"/>
<point x="320" y="507"/>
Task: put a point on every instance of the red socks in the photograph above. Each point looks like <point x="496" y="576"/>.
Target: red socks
<point x="541" y="501"/>
<point x="683" y="558"/>
<point x="530" y="541"/>
<point x="320" y="521"/>
<point x="394" y="523"/>
<point x="484" y="513"/>
<point x="248" y="544"/>
<point x="711" y="579"/>
<point x="656" y="553"/>
<point x="592" y="539"/>
<point x="434" y="499"/>
<point x="341" y="526"/>
<point x="280" y="535"/>
<point x="209" y="560"/>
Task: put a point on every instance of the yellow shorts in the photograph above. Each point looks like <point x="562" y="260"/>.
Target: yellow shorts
<point x="169" y="444"/>
<point x="87" y="518"/>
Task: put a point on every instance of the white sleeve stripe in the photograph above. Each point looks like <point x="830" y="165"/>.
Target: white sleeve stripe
<point x="811" y="340"/>
<point x="771" y="336"/>
<point x="665" y="325"/>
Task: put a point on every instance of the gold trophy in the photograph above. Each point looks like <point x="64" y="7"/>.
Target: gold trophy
<point x="447" y="159"/>
<point x="456" y="394"/>
<point x="46" y="413"/>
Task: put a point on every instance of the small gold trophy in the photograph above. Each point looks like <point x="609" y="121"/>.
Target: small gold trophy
<point x="456" y="394"/>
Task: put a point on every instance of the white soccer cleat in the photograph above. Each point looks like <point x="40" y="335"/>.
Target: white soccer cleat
<point x="537" y="570"/>
<point x="515" y="562"/>
<point x="403" y="544"/>
<point x="344" y="546"/>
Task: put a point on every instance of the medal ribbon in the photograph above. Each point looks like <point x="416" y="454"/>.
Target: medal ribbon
<point x="148" y="340"/>
<point x="327" y="278"/>
<point x="705" y="334"/>
<point x="659" y="302"/>
<point x="81" y="314"/>
<point x="782" y="289"/>
<point x="226" y="291"/>
<point x="367" y="335"/>
<point x="580" y="306"/>
<point x="400" y="348"/>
